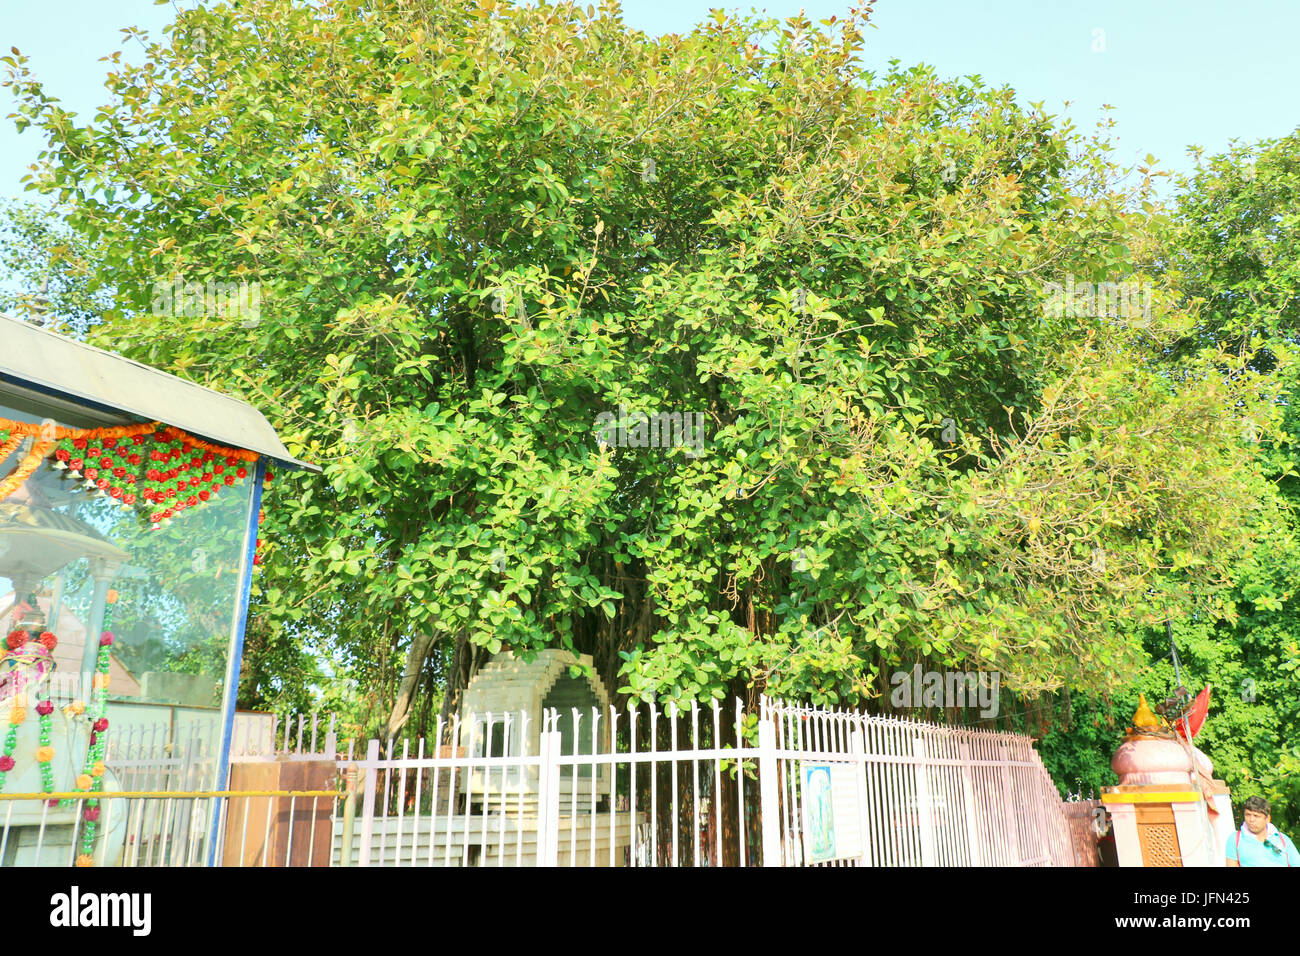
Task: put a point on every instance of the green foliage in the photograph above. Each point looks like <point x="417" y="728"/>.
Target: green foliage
<point x="477" y="227"/>
<point x="1233" y="253"/>
<point x="1229" y="248"/>
<point x="45" y="269"/>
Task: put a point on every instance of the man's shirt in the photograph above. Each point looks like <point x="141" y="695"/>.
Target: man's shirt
<point x="1274" y="850"/>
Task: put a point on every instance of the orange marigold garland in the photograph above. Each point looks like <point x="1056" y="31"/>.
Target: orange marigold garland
<point x="25" y="468"/>
<point x="156" y="469"/>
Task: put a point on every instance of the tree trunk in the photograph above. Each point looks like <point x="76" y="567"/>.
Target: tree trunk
<point x="465" y="661"/>
<point x="421" y="644"/>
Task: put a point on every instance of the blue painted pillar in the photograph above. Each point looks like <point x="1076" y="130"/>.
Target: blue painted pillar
<point x="235" y="657"/>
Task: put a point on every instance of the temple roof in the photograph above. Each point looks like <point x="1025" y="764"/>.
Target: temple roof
<point x="32" y="358"/>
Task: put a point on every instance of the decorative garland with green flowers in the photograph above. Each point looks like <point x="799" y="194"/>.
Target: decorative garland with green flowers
<point x="154" y="468"/>
<point x="91" y="778"/>
<point x="24" y="650"/>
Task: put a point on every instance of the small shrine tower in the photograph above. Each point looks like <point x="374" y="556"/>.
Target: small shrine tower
<point x="1168" y="810"/>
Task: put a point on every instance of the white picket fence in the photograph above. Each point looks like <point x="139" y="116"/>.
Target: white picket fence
<point x="783" y="785"/>
<point x="674" y="789"/>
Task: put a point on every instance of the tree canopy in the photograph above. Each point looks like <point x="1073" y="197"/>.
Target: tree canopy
<point x="477" y="229"/>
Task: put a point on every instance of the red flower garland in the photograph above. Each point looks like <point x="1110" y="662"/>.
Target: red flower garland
<point x="158" y="469"/>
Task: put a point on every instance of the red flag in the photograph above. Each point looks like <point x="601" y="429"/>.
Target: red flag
<point x="1196" y="715"/>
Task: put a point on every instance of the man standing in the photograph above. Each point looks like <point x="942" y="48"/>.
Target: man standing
<point x="1258" y="842"/>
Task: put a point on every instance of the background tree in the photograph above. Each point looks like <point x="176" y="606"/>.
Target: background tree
<point x="45" y="269"/>
<point x="477" y="227"/>
<point x="1229" y="246"/>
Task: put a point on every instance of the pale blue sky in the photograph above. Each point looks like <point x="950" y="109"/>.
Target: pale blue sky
<point x="1176" y="72"/>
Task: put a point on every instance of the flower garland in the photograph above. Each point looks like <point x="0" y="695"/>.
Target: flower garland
<point x="22" y="650"/>
<point x="154" y="468"/>
<point x="91" y="778"/>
